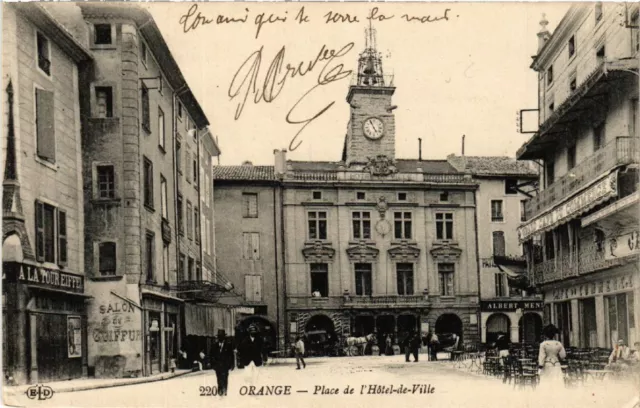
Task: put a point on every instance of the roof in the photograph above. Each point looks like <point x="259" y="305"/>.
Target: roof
<point x="403" y="166"/>
<point x="157" y="45"/>
<point x="245" y="172"/>
<point x="492" y="166"/>
<point x="53" y="29"/>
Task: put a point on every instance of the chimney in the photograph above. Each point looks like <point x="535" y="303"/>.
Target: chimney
<point x="247" y="163"/>
<point x="543" y="34"/>
<point x="463" y="145"/>
<point x="280" y="158"/>
<point x="419" y="149"/>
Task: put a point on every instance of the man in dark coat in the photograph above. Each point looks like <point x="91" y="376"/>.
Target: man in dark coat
<point x="250" y="349"/>
<point x="412" y="346"/>
<point x="222" y="361"/>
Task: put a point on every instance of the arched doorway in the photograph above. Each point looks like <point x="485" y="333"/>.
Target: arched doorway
<point x="530" y="328"/>
<point x="320" y="335"/>
<point x="498" y="323"/>
<point x="447" y="325"/>
<point x="265" y="329"/>
<point x="363" y="325"/>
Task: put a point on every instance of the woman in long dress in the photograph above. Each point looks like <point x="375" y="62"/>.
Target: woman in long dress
<point x="549" y="358"/>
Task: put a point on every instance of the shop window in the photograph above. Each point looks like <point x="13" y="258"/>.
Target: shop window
<point x="102" y="34"/>
<point x="107" y="258"/>
<point x="249" y="205"/>
<point x="319" y="279"/>
<point x="45" y="125"/>
<point x="445" y="272"/>
<point x="44" y="53"/>
<point x="361" y="221"/>
<point x="363" y="279"/>
<point x="51" y="234"/>
<point x="104" y="101"/>
<point x="496" y="211"/>
<point x="444" y="226"/>
<point x="106" y="181"/>
<point x="317" y="224"/>
<point x="404" y="278"/>
<point x="402" y="225"/>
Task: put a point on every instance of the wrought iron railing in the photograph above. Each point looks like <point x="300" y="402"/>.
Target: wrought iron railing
<point x="618" y="152"/>
<point x="386" y="300"/>
<point x="563" y="267"/>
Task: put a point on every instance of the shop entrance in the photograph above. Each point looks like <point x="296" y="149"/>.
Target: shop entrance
<point x="530" y="328"/>
<point x="154" y="342"/>
<point x="54" y="361"/>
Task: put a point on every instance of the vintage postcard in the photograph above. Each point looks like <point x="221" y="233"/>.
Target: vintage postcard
<point x="294" y="204"/>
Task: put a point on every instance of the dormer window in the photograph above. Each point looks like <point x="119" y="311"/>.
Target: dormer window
<point x="102" y="34"/>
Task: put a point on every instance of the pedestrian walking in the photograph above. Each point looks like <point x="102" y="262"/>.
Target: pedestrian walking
<point x="222" y="361"/>
<point x="549" y="359"/>
<point x="411" y="346"/>
<point x="299" y="353"/>
<point x="434" y="342"/>
<point x="250" y="350"/>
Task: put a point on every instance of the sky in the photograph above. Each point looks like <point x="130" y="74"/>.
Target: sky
<point x="466" y="74"/>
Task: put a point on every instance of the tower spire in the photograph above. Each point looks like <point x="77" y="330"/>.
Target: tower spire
<point x="370" y="61"/>
<point x="13" y="218"/>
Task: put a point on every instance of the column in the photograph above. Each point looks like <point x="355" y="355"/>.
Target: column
<point x="575" y="323"/>
<point x="33" y="337"/>
<point x="483" y="328"/>
<point x="515" y="329"/>
<point x="600" y="321"/>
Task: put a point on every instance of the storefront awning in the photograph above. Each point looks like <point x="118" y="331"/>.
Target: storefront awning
<point x="598" y="192"/>
<point x="60" y="291"/>
<point x="206" y="320"/>
<point x="623" y="211"/>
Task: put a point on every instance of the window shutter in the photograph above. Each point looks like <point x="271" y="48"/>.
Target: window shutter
<point x="257" y="288"/>
<point x="39" y="231"/>
<point x="248" y="288"/>
<point x="62" y="237"/>
<point x="45" y="125"/>
<point x="246" y="249"/>
<point x="255" y="245"/>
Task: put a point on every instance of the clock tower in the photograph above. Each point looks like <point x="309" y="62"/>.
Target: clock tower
<point x="371" y="128"/>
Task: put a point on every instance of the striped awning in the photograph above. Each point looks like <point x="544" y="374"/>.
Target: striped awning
<point x="598" y="192"/>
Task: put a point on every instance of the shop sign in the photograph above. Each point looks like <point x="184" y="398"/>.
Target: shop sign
<point x="495" y="306"/>
<point x="244" y="310"/>
<point x="39" y="276"/>
<point x="622" y="245"/>
<point x="74" y="336"/>
<point x="604" y="286"/>
<point x="607" y="187"/>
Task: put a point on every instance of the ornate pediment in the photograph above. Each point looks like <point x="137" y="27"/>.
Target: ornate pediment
<point x="381" y="165"/>
<point x="446" y="251"/>
<point x="404" y="251"/>
<point x="318" y="251"/>
<point x="362" y="251"/>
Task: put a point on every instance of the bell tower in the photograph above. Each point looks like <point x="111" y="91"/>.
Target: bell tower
<point x="371" y="128"/>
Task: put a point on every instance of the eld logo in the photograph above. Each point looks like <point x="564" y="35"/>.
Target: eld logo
<point x="40" y="392"/>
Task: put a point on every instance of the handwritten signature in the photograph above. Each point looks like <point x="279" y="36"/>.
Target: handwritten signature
<point x="245" y="81"/>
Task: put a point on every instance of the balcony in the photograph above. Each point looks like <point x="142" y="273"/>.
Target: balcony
<point x="582" y="263"/>
<point x="618" y="152"/>
<point x="387" y="301"/>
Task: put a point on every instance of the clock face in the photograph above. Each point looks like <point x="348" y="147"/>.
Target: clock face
<point x="373" y="128"/>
